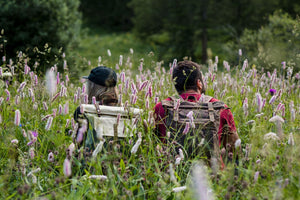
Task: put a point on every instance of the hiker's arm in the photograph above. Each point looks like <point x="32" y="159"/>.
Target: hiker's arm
<point x="228" y="134"/>
<point x="159" y="114"/>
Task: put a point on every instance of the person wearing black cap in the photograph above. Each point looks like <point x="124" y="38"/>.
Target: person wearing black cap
<point x="101" y="84"/>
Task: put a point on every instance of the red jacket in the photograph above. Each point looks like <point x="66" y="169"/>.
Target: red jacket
<point x="226" y="117"/>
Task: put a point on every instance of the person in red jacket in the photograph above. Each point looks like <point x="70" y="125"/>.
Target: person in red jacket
<point x="189" y="83"/>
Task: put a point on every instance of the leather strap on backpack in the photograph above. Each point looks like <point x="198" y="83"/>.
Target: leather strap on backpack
<point x="211" y="112"/>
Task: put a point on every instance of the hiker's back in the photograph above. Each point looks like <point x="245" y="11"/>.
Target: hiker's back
<point x="193" y="125"/>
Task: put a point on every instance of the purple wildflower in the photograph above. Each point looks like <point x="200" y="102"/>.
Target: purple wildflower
<point x="272" y="92"/>
<point x="8" y="94"/>
<point x="31" y="153"/>
<point x="186" y="128"/>
<point x="67" y="168"/>
<point x="17" y="117"/>
<point x="51" y="157"/>
<point x="49" y="123"/>
<point x="66" y="108"/>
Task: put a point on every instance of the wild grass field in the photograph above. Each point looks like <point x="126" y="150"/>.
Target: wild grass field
<point x="39" y="158"/>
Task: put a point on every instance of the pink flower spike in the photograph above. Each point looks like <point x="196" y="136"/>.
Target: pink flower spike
<point x="66" y="108"/>
<point x="67" y="168"/>
<point x="176" y="104"/>
<point x="8" y="94"/>
<point x="94" y="100"/>
<point x="14" y="141"/>
<point x="17" y="117"/>
<point x="51" y="157"/>
<point x="49" y="123"/>
<point x="31" y="153"/>
<point x="187" y="128"/>
<point x="22" y="85"/>
<point x="143" y="85"/>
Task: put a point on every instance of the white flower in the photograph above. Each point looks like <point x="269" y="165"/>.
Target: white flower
<point x="271" y="135"/>
<point x="237" y="143"/>
<point x="98" y="177"/>
<point x="67" y="168"/>
<point x="177" y="161"/>
<point x="136" y="146"/>
<point x="179" y="189"/>
<point x="276" y="118"/>
<point x="14" y="141"/>
<point x="291" y="140"/>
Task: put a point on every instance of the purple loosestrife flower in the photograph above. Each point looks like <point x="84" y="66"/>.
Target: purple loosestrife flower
<point x="51" y="157"/>
<point x="191" y="118"/>
<point x="45" y="106"/>
<point x="176" y="104"/>
<point x="273" y="98"/>
<point x="240" y="52"/>
<point x="57" y="79"/>
<point x="245" y="65"/>
<point x="133" y="89"/>
<point x="71" y="149"/>
<point x="1" y="72"/>
<point x="156" y="99"/>
<point x="17" y="117"/>
<point x="147" y="103"/>
<point x="14" y="141"/>
<point x="55" y="97"/>
<point x="22" y="85"/>
<point x="7" y="94"/>
<point x="186" y="128"/>
<point x="245" y="107"/>
<point x="59" y="109"/>
<point x="122" y="77"/>
<point x="81" y="131"/>
<point x="85" y="99"/>
<point x="17" y="99"/>
<point x="49" y="123"/>
<point x="143" y="85"/>
<point x="35" y="80"/>
<point x="83" y="89"/>
<point x="259" y="102"/>
<point x="51" y="83"/>
<point x="94" y="100"/>
<point x="66" y="108"/>
<point x="283" y="64"/>
<point x="67" y="168"/>
<point x="256" y="175"/>
<point x="272" y="92"/>
<point x="67" y="123"/>
<point x="31" y="153"/>
<point x="75" y="98"/>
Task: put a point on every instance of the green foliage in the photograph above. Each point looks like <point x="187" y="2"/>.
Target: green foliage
<point x="30" y="25"/>
<point x="273" y="43"/>
<point x="112" y="15"/>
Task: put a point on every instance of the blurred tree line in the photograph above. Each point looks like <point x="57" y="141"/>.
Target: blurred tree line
<point x="41" y="29"/>
<point x="266" y="31"/>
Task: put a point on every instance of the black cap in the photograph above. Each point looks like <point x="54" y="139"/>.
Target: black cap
<point x="103" y="76"/>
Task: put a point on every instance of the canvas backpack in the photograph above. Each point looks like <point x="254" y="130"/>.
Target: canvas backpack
<point x="202" y="138"/>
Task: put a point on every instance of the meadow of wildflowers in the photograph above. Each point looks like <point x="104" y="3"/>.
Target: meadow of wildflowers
<point x="40" y="158"/>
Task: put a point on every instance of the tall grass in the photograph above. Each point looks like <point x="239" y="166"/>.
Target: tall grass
<point x="34" y="151"/>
